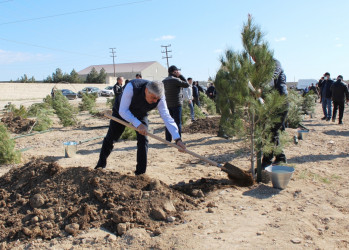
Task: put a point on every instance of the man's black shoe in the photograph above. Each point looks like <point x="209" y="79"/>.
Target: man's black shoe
<point x="101" y="164"/>
<point x="324" y="118"/>
<point x="328" y="119"/>
<point x="99" y="167"/>
<point x="340" y="123"/>
<point x="333" y="119"/>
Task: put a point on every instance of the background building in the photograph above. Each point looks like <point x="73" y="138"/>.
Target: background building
<point x="153" y="71"/>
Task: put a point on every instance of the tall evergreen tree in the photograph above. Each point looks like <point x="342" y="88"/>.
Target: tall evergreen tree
<point x="241" y="82"/>
<point x="74" y="77"/>
<point x="102" y="76"/>
<point x="92" y="77"/>
<point x="57" y="76"/>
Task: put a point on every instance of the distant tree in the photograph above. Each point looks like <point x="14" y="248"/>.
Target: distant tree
<point x="102" y="76"/>
<point x="48" y="79"/>
<point x="74" y="77"/>
<point x="57" y="76"/>
<point x="24" y="78"/>
<point x="92" y="77"/>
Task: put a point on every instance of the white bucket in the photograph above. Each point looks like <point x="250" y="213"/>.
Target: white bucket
<point x="70" y="148"/>
<point x="280" y="175"/>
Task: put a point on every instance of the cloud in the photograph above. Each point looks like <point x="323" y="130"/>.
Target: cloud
<point x="337" y="39"/>
<point x="164" y="38"/>
<point x="281" y="39"/>
<point x="9" y="57"/>
<point x="218" y="51"/>
<point x="339" y="45"/>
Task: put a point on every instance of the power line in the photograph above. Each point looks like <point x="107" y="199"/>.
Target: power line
<point x="73" y="12"/>
<point x="44" y="47"/>
<point x="113" y="56"/>
<point x="166" y="51"/>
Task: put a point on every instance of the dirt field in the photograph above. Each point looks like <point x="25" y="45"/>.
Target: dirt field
<point x="312" y="212"/>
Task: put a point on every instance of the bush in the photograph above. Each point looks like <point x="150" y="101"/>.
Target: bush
<point x="22" y="111"/>
<point x="294" y="116"/>
<point x="43" y="121"/>
<point x="8" y="154"/>
<point x="36" y="108"/>
<point x="88" y="102"/>
<point x="64" y="110"/>
<point x="308" y="105"/>
<point x="129" y="134"/>
<point x="186" y="113"/>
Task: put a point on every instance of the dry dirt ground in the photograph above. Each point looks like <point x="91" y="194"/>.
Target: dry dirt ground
<point x="312" y="212"/>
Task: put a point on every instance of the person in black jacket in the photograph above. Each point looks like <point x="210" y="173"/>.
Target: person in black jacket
<point x="118" y="86"/>
<point x="196" y="95"/>
<point x="339" y="94"/>
<point x="174" y="96"/>
<point x="211" y="91"/>
<point x="326" y="97"/>
<point x="279" y="83"/>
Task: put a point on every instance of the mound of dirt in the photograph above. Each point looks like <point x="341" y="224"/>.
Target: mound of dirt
<point x="209" y="125"/>
<point x="16" y="124"/>
<point x="44" y="200"/>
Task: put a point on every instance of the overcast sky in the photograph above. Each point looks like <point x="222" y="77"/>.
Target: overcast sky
<point x="309" y="37"/>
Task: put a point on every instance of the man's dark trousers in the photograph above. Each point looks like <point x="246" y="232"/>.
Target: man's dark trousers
<point x="114" y="132"/>
<point x="176" y="114"/>
<point x="336" y="106"/>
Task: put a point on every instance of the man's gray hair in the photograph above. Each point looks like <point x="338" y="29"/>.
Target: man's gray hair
<point x="156" y="88"/>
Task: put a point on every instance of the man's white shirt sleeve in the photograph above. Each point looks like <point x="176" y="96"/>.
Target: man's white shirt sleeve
<point x="124" y="109"/>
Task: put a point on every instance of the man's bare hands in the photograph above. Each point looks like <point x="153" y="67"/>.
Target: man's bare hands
<point x="142" y="129"/>
<point x="182" y="145"/>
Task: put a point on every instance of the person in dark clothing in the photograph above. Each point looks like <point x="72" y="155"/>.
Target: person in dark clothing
<point x="139" y="97"/>
<point x="279" y="83"/>
<point x="118" y="86"/>
<point x="340" y="94"/>
<point x="326" y="97"/>
<point x="200" y="89"/>
<point x="314" y="89"/>
<point x="211" y="92"/>
<point x="174" y="96"/>
<point x="196" y="96"/>
<point x="319" y="87"/>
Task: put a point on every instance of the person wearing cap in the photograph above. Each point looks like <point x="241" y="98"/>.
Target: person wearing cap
<point x="326" y="95"/>
<point x="340" y="94"/>
<point x="174" y="84"/>
<point x="139" y="97"/>
<point x="118" y="86"/>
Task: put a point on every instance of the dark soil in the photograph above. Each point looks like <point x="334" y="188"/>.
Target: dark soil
<point x="209" y="125"/>
<point x="16" y="124"/>
<point x="44" y="200"/>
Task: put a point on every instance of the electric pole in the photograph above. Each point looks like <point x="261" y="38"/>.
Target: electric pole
<point x="113" y="56"/>
<point x="166" y="51"/>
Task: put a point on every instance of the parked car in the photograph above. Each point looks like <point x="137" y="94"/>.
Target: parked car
<point x="108" y="91"/>
<point x="69" y="94"/>
<point x="89" y="90"/>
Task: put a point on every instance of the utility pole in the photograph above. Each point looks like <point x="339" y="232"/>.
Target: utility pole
<point x="113" y="56"/>
<point x="166" y="51"/>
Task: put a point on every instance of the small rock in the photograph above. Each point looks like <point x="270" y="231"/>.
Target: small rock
<point x="158" y="214"/>
<point x="27" y="231"/>
<point x="111" y="238"/>
<point x="200" y="227"/>
<point x="35" y="219"/>
<point x="210" y="210"/>
<point x="198" y="193"/>
<point x="171" y="219"/>
<point x="121" y="228"/>
<point x="48" y="225"/>
<point x="279" y="208"/>
<point x="72" y="228"/>
<point x="296" y="241"/>
<point x="154" y="185"/>
<point x="95" y="181"/>
<point x="169" y="207"/>
<point x="327" y="227"/>
<point x="260" y="233"/>
<point x="211" y="204"/>
<point x="157" y="232"/>
<point x="37" y="201"/>
<point x="98" y="194"/>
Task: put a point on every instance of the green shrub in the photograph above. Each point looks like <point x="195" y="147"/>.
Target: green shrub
<point x="8" y="154"/>
<point x="129" y="134"/>
<point x="110" y="102"/>
<point x="43" y="120"/>
<point x="88" y="102"/>
<point x="294" y="116"/>
<point x="22" y="111"/>
<point x="308" y="105"/>
<point x="64" y="110"/>
<point x="186" y="113"/>
<point x="48" y="100"/>
<point x="210" y="107"/>
<point x="36" y="108"/>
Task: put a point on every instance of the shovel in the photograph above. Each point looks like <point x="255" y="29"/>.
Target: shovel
<point x="237" y="175"/>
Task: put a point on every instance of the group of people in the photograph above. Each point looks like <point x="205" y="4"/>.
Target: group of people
<point x="335" y="92"/>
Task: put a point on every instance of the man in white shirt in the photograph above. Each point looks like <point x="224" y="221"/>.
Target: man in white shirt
<point x="139" y="97"/>
<point x="188" y="97"/>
